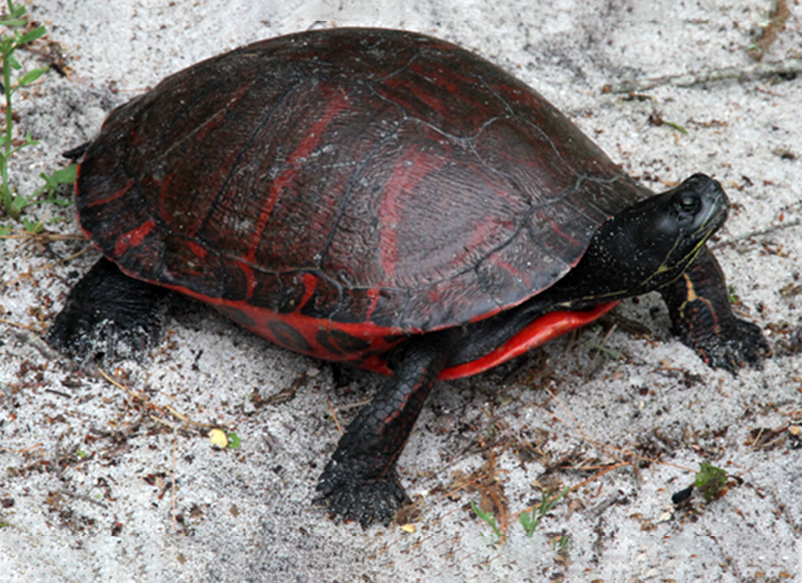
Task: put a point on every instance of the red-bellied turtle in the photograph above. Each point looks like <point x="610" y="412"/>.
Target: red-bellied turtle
<point x="386" y="199"/>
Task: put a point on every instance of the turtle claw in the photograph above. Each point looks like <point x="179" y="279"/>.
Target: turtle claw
<point x="741" y="344"/>
<point x="352" y="498"/>
<point x="722" y="340"/>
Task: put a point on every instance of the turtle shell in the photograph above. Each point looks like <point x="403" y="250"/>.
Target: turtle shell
<point x="338" y="190"/>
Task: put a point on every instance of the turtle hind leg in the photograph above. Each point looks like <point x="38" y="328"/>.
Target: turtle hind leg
<point x="360" y="482"/>
<point x="700" y="312"/>
<point x="108" y="316"/>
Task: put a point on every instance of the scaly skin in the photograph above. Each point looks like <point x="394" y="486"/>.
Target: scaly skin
<point x="701" y="318"/>
<point x="360" y="482"/>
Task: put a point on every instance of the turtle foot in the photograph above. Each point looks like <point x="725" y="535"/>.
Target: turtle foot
<point x="351" y="497"/>
<point x="108" y="316"/>
<point x="737" y="344"/>
<point x="702" y="317"/>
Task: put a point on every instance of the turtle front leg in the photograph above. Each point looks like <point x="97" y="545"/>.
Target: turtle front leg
<point x="700" y="312"/>
<point x="108" y="316"/>
<point x="360" y="482"/>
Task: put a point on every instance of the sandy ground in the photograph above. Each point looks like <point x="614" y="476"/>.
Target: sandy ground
<point x="95" y="486"/>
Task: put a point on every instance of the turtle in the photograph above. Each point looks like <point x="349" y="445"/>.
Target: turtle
<point x="388" y="200"/>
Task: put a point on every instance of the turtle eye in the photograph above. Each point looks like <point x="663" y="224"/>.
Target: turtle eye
<point x="688" y="204"/>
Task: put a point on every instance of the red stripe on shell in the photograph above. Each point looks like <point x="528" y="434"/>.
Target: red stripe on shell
<point x="285" y="178"/>
<point x="197" y="249"/>
<point x="411" y="168"/>
<point x="310" y="285"/>
<point x="110" y="198"/>
<point x="381" y="339"/>
<point x="373" y="294"/>
<point x="566" y="236"/>
<point x="133" y="238"/>
<point x="373" y="357"/>
<point x="250" y="277"/>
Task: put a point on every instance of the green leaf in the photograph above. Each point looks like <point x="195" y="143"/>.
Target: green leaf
<point x="32" y="35"/>
<point x="34" y="227"/>
<point x="710" y="480"/>
<point x="12" y="60"/>
<point x="481" y="513"/>
<point x="488" y="518"/>
<point x="17" y="204"/>
<point x="60" y="202"/>
<point x="530" y="523"/>
<point x="53" y="181"/>
<point x="562" y="544"/>
<point x="234" y="440"/>
<point x="551" y="504"/>
<point x="17" y="10"/>
<point x="28" y="142"/>
<point x="31" y="76"/>
<point x="676" y="126"/>
<point x="13" y="22"/>
<point x="66" y="175"/>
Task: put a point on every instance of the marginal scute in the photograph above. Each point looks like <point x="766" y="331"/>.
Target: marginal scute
<point x="288" y="336"/>
<point x="237" y="316"/>
<point x="338" y="341"/>
<point x="324" y="300"/>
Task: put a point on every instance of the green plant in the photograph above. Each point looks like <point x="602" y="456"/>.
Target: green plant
<point x="562" y="544"/>
<point x="710" y="480"/>
<point x="530" y="523"/>
<point x="14" y="37"/>
<point x="488" y="518"/>
<point x="234" y="440"/>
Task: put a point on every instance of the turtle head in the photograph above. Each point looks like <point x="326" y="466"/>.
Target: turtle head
<point x="666" y="232"/>
<point x="650" y="243"/>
